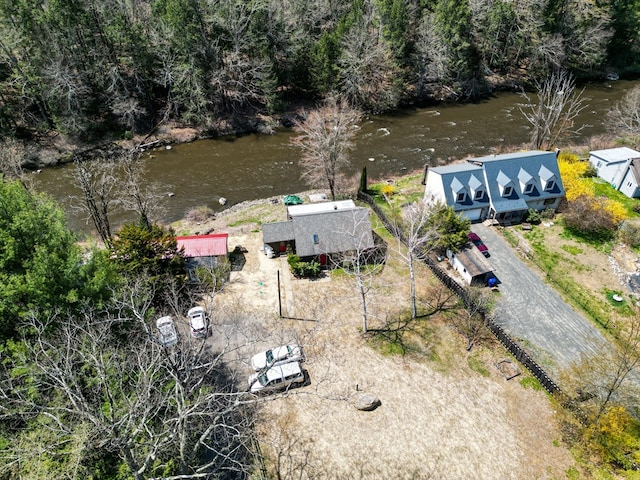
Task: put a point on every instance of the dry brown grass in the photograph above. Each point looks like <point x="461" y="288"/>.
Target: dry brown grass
<point x="439" y="418"/>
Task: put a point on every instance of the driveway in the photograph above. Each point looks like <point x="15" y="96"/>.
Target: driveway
<point x="533" y="313"/>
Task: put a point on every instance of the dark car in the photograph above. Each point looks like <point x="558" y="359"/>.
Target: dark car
<point x="477" y="241"/>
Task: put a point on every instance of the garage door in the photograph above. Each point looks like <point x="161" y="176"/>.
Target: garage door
<point x="473" y="215"/>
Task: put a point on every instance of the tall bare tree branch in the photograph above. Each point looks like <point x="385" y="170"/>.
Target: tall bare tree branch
<point x="553" y="116"/>
<point x="325" y="138"/>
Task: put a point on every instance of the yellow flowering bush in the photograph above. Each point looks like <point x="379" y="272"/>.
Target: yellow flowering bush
<point x="617" y="211"/>
<point x="388" y="190"/>
<point x="572" y="172"/>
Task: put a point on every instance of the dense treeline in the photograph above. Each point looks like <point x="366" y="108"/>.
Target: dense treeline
<point x="85" y="66"/>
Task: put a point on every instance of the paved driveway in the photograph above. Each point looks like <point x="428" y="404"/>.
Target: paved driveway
<point x="533" y="313"/>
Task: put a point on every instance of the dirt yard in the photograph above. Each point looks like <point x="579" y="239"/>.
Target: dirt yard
<point x="439" y="418"/>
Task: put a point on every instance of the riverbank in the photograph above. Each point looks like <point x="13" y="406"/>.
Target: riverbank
<point x="56" y="149"/>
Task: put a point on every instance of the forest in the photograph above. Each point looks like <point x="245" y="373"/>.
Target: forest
<point x="85" y="67"/>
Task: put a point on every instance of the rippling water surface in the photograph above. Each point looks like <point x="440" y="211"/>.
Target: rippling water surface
<point x="258" y="166"/>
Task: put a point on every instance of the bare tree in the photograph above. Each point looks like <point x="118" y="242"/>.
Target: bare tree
<point x="471" y="321"/>
<point x="12" y="157"/>
<point x="364" y="261"/>
<point x="588" y="32"/>
<point x="624" y="118"/>
<point x="144" y="201"/>
<point x="553" y="117"/>
<point x="431" y="57"/>
<point x="325" y="138"/>
<point x="418" y="236"/>
<point x="96" y="180"/>
<point x="163" y="409"/>
<point x="610" y="375"/>
<point x="128" y="110"/>
<point x="368" y="73"/>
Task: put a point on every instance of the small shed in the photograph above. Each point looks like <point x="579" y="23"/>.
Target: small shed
<point x="619" y="167"/>
<point x="471" y="265"/>
<point x="203" y="251"/>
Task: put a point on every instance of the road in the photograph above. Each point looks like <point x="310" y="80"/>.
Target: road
<point x="533" y="313"/>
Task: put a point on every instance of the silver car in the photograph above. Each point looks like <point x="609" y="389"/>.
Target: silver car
<point x="168" y="335"/>
<point x="198" y="322"/>
<point x="279" y="377"/>
<point x="277" y="356"/>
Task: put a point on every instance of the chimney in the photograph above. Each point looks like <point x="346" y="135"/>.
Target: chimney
<point x="424" y="174"/>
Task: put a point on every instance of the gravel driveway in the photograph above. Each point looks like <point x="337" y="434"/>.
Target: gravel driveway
<point x="533" y="313"/>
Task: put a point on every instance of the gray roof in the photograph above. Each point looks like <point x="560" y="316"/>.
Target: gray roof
<point x="277" y="232"/>
<point x="462" y="177"/>
<point x="332" y="232"/>
<point x="518" y="170"/>
<point x="473" y="261"/>
<point x="323" y="230"/>
<point x="613" y="155"/>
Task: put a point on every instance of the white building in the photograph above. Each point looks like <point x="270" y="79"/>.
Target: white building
<point x="620" y="167"/>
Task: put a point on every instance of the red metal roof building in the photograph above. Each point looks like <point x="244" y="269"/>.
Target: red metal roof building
<point x="212" y="245"/>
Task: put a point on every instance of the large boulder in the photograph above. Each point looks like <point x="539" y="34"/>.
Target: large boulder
<point x="367" y="402"/>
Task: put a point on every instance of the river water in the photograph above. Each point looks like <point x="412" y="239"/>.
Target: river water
<point x="259" y="166"/>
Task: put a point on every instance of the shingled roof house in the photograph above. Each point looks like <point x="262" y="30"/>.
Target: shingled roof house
<point x="620" y="167"/>
<point x="501" y="187"/>
<point x="321" y="229"/>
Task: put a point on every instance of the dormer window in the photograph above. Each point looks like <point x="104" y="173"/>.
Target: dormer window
<point x="505" y="184"/>
<point x="476" y="188"/>
<point x="547" y="178"/>
<point x="526" y="181"/>
<point x="458" y="190"/>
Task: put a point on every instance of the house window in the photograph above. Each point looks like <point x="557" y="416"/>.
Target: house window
<point x="550" y="201"/>
<point x="629" y="184"/>
<point x="461" y="196"/>
<point x="528" y="188"/>
<point x="599" y="164"/>
<point x="479" y="195"/>
<point x="507" y="191"/>
<point x="315" y="239"/>
<point x="550" y="185"/>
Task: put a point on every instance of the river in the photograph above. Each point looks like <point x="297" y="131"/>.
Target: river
<point x="258" y="166"/>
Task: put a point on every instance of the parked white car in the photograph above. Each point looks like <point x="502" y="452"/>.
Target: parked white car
<point x="277" y="356"/>
<point x="167" y="330"/>
<point x="276" y="378"/>
<point x="268" y="251"/>
<point x="198" y="322"/>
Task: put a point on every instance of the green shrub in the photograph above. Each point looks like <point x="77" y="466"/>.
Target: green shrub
<point x="547" y="214"/>
<point x="302" y="269"/>
<point x="213" y="278"/>
<point x="534" y="216"/>
<point x="590" y="172"/>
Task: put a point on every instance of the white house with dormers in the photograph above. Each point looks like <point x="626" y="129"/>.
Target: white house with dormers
<point x="501" y="187"/>
<point x="620" y="168"/>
